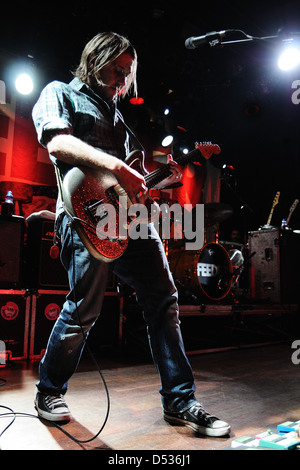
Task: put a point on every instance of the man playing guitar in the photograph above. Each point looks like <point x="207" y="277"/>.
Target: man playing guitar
<point x="80" y="125"/>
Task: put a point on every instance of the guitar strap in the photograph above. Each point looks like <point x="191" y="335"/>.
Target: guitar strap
<point x="59" y="181"/>
<point x="136" y="144"/>
<point x="60" y="191"/>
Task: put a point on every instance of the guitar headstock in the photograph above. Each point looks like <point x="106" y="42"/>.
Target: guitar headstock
<point x="294" y="205"/>
<point x="276" y="198"/>
<point x="207" y="149"/>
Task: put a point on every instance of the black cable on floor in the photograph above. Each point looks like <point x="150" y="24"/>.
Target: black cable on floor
<point x="92" y="357"/>
<point x="11" y="412"/>
<point x="16" y="414"/>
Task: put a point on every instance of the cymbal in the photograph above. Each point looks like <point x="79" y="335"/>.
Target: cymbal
<point x="216" y="212"/>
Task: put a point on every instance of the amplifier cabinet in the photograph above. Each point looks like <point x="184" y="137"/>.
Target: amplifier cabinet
<point x="46" y="307"/>
<point x="12" y="229"/>
<point x="45" y="271"/>
<point x="274" y="257"/>
<point x="15" y="308"/>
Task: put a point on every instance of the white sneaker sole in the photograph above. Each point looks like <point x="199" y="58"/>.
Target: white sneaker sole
<point x="212" y="432"/>
<point x="57" y="417"/>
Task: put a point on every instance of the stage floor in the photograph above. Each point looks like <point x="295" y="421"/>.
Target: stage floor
<point x="251" y="388"/>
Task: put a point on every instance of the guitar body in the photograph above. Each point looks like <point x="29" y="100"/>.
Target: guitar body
<point x="88" y="195"/>
<point x="80" y="188"/>
<point x="85" y="193"/>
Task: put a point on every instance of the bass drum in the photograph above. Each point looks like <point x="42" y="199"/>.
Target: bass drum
<point x="204" y="273"/>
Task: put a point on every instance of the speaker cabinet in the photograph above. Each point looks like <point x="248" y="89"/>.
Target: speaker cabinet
<point x="44" y="270"/>
<point x="46" y="307"/>
<point x="12" y="230"/>
<point x="15" y="306"/>
<point x="274" y="265"/>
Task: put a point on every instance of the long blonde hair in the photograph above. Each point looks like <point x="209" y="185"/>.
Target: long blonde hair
<point x="101" y="50"/>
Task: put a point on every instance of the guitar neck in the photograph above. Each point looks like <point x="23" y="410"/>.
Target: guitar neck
<point x="291" y="211"/>
<point x="275" y="201"/>
<point x="160" y="174"/>
<point x="270" y="216"/>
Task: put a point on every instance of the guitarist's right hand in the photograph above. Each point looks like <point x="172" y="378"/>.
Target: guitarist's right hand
<point x="73" y="151"/>
<point x="132" y="182"/>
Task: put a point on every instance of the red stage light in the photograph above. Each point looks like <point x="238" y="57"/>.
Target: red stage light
<point x="136" y="101"/>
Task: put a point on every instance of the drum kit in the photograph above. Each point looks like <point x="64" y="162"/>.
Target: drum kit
<point x="210" y="273"/>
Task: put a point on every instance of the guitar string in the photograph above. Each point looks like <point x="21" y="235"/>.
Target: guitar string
<point x="150" y="179"/>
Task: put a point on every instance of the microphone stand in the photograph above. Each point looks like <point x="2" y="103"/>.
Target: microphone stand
<point x="249" y="38"/>
<point x="243" y="207"/>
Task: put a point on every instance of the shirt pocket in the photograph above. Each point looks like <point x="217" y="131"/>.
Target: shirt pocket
<point x="84" y="124"/>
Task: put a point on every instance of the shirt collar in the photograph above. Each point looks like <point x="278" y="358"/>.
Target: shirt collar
<point x="77" y="84"/>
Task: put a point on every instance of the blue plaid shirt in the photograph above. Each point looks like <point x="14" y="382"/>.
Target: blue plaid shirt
<point x="75" y="109"/>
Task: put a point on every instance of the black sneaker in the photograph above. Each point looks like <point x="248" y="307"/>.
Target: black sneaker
<point x="52" y="407"/>
<point x="199" y="420"/>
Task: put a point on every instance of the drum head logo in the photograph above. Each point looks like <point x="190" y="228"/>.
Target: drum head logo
<point x="207" y="270"/>
<point x="9" y="311"/>
<point x="52" y="311"/>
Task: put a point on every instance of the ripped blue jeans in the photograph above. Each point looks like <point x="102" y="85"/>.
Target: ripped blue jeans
<point x="145" y="268"/>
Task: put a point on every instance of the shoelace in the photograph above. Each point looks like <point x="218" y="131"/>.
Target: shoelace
<point x="55" y="402"/>
<point x="198" y="409"/>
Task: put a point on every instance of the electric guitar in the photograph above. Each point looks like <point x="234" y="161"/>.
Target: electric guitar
<point x="275" y="202"/>
<point x="292" y="208"/>
<point x="88" y="197"/>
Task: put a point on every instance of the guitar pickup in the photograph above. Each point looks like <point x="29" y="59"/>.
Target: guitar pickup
<point x="97" y="211"/>
<point x="94" y="211"/>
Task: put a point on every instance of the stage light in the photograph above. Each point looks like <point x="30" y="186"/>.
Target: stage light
<point x="167" y="141"/>
<point x="24" y="84"/>
<point x="289" y="59"/>
<point x="136" y="101"/>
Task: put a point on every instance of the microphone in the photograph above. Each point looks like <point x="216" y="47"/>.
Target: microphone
<point x="196" y="41"/>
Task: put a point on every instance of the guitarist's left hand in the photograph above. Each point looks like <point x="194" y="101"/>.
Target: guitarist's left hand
<point x="174" y="178"/>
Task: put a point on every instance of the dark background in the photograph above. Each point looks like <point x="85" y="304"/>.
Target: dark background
<point x="233" y="95"/>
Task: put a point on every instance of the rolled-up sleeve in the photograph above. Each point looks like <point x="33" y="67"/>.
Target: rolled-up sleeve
<point x="53" y="111"/>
